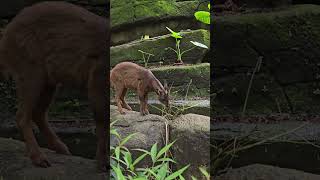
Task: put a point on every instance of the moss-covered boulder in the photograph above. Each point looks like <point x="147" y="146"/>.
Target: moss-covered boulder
<point x="132" y="19"/>
<point x="129" y="11"/>
<point x="286" y="40"/>
<point x="182" y="75"/>
<point x="158" y="47"/>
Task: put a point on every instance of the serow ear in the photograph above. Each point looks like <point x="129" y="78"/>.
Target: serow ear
<point x="165" y="86"/>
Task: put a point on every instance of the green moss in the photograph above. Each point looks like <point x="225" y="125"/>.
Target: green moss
<point x="198" y="75"/>
<point x="125" y="11"/>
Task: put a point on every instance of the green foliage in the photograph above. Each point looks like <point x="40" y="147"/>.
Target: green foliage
<point x="203" y="16"/>
<point x="177" y="36"/>
<point x="125" y="167"/>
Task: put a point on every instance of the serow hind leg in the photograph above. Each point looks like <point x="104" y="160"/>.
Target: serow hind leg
<point x="40" y="112"/>
<point x="28" y="94"/>
<point x="124" y="103"/>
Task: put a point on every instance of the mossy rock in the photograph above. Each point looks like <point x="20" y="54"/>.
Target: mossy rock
<point x="128" y="11"/>
<point x="181" y="75"/>
<point x="265" y="97"/>
<point x="286" y="40"/>
<point x="157" y="46"/>
<point x="133" y="19"/>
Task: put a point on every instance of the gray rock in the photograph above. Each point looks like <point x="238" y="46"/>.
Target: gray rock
<point x="286" y="39"/>
<point x="265" y="172"/>
<point x="150" y="129"/>
<point x="259" y="131"/>
<point x="192" y="133"/>
<point x="15" y="165"/>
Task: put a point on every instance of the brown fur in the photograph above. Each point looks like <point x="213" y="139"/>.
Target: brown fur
<point x="127" y="75"/>
<point x="54" y="43"/>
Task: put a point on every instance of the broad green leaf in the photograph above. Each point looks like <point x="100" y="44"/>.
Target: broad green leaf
<point x="203" y="16"/>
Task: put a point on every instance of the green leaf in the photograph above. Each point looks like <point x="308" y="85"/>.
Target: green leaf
<point x="128" y="159"/>
<point x="177" y="173"/>
<point x="181" y="177"/>
<point x="162" y="173"/>
<point x="114" y="132"/>
<point x="117" y="152"/>
<point x="153" y="152"/>
<point x="125" y="140"/>
<point x="174" y="34"/>
<point x="204" y="172"/>
<point x="139" y="159"/>
<point x="203" y="16"/>
<point x="193" y="178"/>
<point x="165" y="149"/>
<point x="166" y="160"/>
<point x="209" y="6"/>
<point x="118" y="172"/>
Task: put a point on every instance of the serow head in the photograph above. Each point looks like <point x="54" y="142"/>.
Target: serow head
<point x="164" y="95"/>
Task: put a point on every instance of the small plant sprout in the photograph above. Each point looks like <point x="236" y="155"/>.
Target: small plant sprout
<point x="145" y="57"/>
<point x="177" y="49"/>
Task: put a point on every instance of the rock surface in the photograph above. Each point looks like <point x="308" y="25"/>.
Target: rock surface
<point x="15" y="165"/>
<point x="265" y="172"/>
<point x="135" y="18"/>
<point x="285" y="40"/>
<point x="259" y="131"/>
<point x="157" y="46"/>
<point x="150" y="129"/>
<point x="192" y="133"/>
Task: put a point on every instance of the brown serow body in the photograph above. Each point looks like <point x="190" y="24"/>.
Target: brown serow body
<point x="127" y="75"/>
<point x="49" y="44"/>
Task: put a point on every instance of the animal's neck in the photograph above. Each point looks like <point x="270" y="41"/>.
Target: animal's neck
<point x="157" y="86"/>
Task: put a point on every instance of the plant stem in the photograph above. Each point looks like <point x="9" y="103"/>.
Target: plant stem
<point x="178" y="50"/>
<point x="257" y="67"/>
